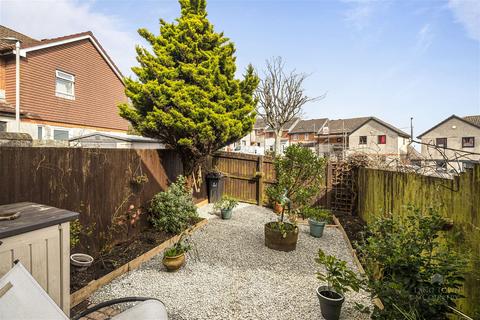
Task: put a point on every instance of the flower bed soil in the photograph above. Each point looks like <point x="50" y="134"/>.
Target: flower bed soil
<point x="353" y="226"/>
<point x="121" y="254"/>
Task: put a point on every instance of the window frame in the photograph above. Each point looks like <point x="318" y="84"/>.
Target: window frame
<point x="437" y="144"/>
<point x="69" y="77"/>
<point x="64" y="130"/>
<point x="465" y="146"/>
<point x="40" y="129"/>
<point x="360" y="140"/>
<point x="379" y="139"/>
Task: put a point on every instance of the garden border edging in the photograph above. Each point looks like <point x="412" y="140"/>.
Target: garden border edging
<point x="83" y="293"/>
<point x="353" y="252"/>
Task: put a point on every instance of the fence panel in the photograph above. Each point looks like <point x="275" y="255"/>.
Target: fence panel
<point x="458" y="199"/>
<point x="97" y="183"/>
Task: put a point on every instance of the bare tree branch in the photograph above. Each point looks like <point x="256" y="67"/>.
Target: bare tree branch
<point x="281" y="97"/>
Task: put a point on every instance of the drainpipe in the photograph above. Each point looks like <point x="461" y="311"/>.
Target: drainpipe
<point x="17" y="85"/>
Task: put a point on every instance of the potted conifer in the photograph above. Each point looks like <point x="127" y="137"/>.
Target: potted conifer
<point x="339" y="279"/>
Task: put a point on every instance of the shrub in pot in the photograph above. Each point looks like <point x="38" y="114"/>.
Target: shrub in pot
<point x="317" y="218"/>
<point x="275" y="194"/>
<point x="339" y="279"/>
<point x="226" y="205"/>
<point x="282" y="235"/>
<point x="174" y="257"/>
<point x="173" y="210"/>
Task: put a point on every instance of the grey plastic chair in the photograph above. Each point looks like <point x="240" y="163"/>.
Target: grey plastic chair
<point x="22" y="298"/>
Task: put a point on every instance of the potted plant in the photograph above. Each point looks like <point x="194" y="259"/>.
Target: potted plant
<point x="226" y="205"/>
<point x="340" y="279"/>
<point x="174" y="257"/>
<point x="281" y="235"/>
<point x="317" y="218"/>
<point x="275" y="194"/>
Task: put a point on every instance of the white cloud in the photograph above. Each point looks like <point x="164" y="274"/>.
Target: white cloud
<point x="361" y="12"/>
<point x="467" y="13"/>
<point x="424" y="38"/>
<point x="49" y="19"/>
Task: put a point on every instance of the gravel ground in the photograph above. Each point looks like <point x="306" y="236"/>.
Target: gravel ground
<point x="236" y="277"/>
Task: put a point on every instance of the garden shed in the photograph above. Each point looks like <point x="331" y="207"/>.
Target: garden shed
<point x="115" y="141"/>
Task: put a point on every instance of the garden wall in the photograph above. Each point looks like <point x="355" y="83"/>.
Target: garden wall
<point x="382" y="191"/>
<point x="100" y="184"/>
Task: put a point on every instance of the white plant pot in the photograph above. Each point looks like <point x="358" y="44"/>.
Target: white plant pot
<point x="81" y="260"/>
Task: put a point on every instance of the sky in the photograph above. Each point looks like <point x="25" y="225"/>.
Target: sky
<point x="389" y="59"/>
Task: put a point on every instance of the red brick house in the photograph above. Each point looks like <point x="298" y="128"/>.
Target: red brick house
<point x="69" y="86"/>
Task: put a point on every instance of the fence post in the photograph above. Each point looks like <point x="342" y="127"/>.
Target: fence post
<point x="260" y="179"/>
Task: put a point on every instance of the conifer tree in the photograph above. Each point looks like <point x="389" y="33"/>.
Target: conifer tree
<point x="186" y="93"/>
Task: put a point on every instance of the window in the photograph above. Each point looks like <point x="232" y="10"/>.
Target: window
<point x="39" y="132"/>
<point x="363" y="140"/>
<point x="468" y="142"/>
<point x="339" y="140"/>
<point x="382" y="139"/>
<point x="306" y="136"/>
<point x="441" y="142"/>
<point x="60" y="134"/>
<point x="3" y="126"/>
<point x="295" y="136"/>
<point x="64" y="85"/>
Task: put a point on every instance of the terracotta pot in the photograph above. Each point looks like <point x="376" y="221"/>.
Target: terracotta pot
<point x="174" y="263"/>
<point x="275" y="240"/>
<point x="277" y="207"/>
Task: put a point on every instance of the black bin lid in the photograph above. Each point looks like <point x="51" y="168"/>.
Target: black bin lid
<point x="32" y="216"/>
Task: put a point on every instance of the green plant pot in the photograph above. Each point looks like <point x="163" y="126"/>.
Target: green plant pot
<point x="316" y="228"/>
<point x="330" y="302"/>
<point x="226" y="213"/>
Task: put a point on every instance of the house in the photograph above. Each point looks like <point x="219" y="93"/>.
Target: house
<point x="453" y="144"/>
<point x="364" y="134"/>
<point x="115" y="141"/>
<point x="305" y="132"/>
<point x="68" y="86"/>
<point x="284" y="139"/>
<point x="253" y="142"/>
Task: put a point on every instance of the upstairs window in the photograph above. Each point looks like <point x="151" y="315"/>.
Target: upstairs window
<point x="362" y="140"/>
<point x="441" y="142"/>
<point x="382" y="139"/>
<point x="295" y="136"/>
<point x="3" y="126"/>
<point x="64" y="85"/>
<point x="306" y="136"/>
<point x="468" y="142"/>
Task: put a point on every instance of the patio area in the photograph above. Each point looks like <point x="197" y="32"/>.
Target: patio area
<point x="236" y="277"/>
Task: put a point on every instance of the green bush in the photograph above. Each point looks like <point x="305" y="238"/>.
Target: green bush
<point x="173" y="210"/>
<point x="300" y="173"/>
<point x="226" y="203"/>
<point x="410" y="267"/>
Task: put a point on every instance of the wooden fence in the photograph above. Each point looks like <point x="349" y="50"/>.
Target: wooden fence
<point x="248" y="176"/>
<point x="97" y="183"/>
<point x="458" y="199"/>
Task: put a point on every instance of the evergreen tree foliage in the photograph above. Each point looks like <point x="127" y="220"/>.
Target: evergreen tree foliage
<point x="186" y="93"/>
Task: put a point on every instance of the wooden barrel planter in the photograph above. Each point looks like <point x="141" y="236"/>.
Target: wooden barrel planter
<point x="275" y="240"/>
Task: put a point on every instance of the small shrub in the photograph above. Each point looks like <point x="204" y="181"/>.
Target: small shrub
<point x="317" y="214"/>
<point x="410" y="269"/>
<point x="75" y="230"/>
<point x="173" y="210"/>
<point x="299" y="173"/>
<point x="226" y="203"/>
<point x="337" y="275"/>
<point x="181" y="246"/>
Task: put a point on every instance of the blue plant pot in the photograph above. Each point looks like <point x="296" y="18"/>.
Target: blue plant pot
<point x="316" y="228"/>
<point x="226" y="214"/>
